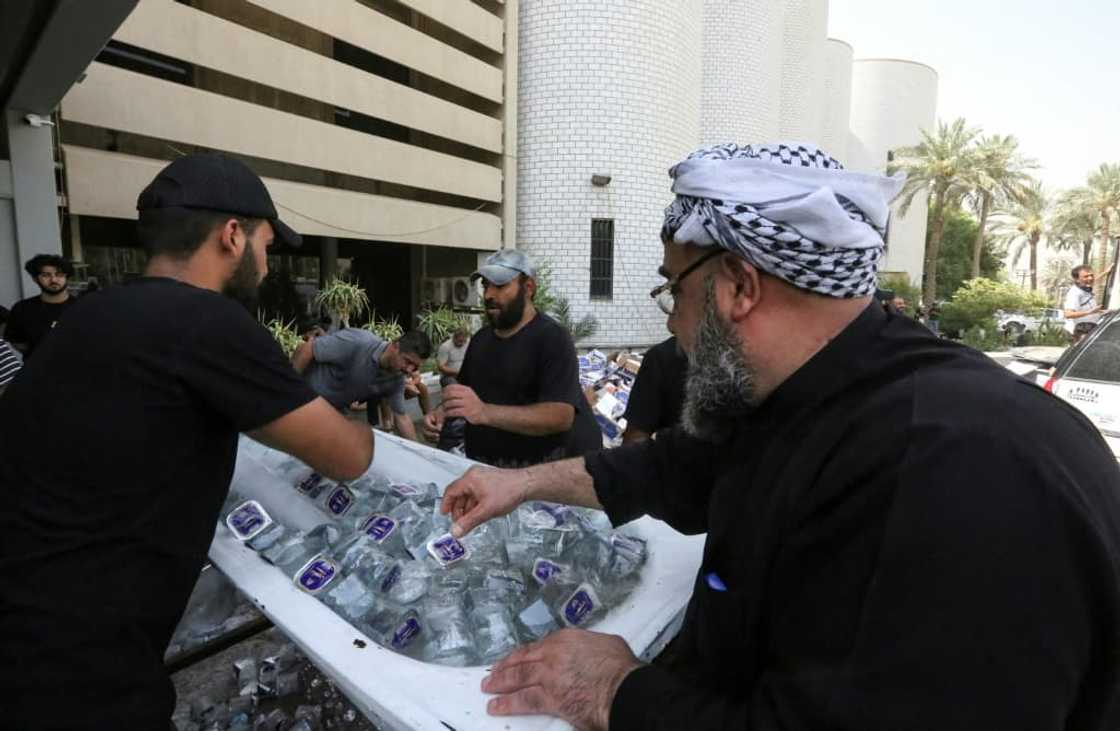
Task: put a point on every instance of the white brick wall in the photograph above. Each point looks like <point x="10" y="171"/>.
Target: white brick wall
<point x="610" y="88"/>
<point x="628" y="87"/>
<point x="837" y="99"/>
<point x="805" y="30"/>
<point x="742" y="71"/>
<point x="892" y="101"/>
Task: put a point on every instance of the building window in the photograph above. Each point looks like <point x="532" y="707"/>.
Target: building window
<point x="602" y="258"/>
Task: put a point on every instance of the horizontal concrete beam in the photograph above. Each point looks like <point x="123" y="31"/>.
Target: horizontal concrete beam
<point x="130" y="102"/>
<point x="107" y="184"/>
<point x="380" y="34"/>
<point x="465" y="17"/>
<point x="183" y="32"/>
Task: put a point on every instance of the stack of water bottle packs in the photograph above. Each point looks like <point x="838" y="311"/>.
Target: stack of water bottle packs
<point x="384" y="560"/>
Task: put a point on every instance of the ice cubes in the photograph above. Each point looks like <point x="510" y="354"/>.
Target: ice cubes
<point x="494" y="632"/>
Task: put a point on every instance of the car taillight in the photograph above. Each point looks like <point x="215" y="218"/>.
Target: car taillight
<point x="1050" y="383"/>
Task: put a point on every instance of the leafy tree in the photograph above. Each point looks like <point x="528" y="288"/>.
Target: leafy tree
<point x="1074" y="223"/>
<point x="1022" y="225"/>
<point x="942" y="164"/>
<point x="998" y="178"/>
<point x="1055" y="277"/>
<point x="1102" y="194"/>
<point x="955" y="259"/>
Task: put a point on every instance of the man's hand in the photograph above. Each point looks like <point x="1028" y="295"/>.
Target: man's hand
<point x="303" y="355"/>
<point x="459" y="400"/>
<point x="573" y="674"/>
<point x="483" y="493"/>
<point x="433" y="424"/>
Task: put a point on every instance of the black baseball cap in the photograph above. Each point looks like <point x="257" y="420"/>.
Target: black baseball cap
<point x="214" y="182"/>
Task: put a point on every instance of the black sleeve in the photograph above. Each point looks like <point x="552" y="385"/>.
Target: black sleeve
<point x="669" y="478"/>
<point x="643" y="410"/>
<point x="991" y="603"/>
<point x="238" y="369"/>
<point x="558" y="368"/>
<point x="16" y="331"/>
<point x="464" y="376"/>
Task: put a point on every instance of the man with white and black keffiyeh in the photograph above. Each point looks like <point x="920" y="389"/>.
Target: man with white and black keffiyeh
<point x="900" y="533"/>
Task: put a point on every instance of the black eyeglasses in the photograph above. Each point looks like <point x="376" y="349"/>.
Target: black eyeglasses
<point x="665" y="295"/>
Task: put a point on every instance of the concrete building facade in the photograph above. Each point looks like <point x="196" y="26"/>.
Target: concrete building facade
<point x="383" y="128"/>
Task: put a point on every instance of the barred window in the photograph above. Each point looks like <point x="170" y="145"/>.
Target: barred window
<point x="602" y="258"/>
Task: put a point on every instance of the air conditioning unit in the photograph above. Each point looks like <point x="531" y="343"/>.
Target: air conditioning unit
<point x="464" y="292"/>
<point x="435" y="290"/>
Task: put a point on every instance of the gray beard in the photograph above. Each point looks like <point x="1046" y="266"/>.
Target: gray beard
<point x="719" y="387"/>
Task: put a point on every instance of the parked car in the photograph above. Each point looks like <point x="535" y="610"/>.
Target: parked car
<point x="1017" y="323"/>
<point x="1088" y="376"/>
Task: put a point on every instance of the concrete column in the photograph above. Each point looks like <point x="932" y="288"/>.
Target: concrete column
<point x="328" y="259"/>
<point x="509" y="115"/>
<point x="10" y="290"/>
<point x="35" y="197"/>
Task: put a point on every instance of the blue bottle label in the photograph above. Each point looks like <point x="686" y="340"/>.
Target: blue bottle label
<point x="340" y="501"/>
<point x="247" y="520"/>
<point x="544" y="570"/>
<point x="446" y="550"/>
<point x="403" y="489"/>
<point x="405" y="633"/>
<point x="580" y="605"/>
<point x="316" y="574"/>
<point x="391" y="578"/>
<point x="309" y="483"/>
<point x="379" y="527"/>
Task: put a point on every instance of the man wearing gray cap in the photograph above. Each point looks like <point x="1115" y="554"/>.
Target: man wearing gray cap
<point x="900" y="533"/>
<point x="518" y="388"/>
<point x="117" y="446"/>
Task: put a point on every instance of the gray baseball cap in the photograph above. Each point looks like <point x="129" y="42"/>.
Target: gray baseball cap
<point x="503" y="265"/>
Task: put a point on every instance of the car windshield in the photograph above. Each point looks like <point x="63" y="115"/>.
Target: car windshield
<point x="1099" y="360"/>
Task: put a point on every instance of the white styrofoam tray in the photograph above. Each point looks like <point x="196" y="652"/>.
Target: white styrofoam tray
<point x="397" y="692"/>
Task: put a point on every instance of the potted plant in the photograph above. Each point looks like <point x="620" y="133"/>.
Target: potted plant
<point x="342" y="299"/>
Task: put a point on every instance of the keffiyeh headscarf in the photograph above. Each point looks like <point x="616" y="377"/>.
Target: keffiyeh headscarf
<point x="789" y="209"/>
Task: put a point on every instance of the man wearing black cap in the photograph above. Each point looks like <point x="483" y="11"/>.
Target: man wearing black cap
<point x="117" y="445"/>
<point x="518" y="388"/>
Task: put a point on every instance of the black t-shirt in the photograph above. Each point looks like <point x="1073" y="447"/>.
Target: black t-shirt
<point x="117" y="445"/>
<point x="32" y="319"/>
<point x="538" y="364"/>
<point x="658" y="392"/>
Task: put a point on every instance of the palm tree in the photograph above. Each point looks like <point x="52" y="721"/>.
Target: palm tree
<point x="1074" y="223"/>
<point x="1055" y="277"/>
<point x="999" y="176"/>
<point x="941" y="164"/>
<point x="1022" y="225"/>
<point x="1104" y="195"/>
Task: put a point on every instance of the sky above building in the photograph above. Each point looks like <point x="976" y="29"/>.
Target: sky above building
<point x="1043" y="71"/>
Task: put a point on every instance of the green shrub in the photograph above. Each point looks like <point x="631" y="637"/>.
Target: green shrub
<point x="974" y="305"/>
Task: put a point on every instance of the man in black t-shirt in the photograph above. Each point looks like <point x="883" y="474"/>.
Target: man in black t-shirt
<point x="518" y="386"/>
<point x="658" y="392"/>
<point x="117" y="446"/>
<point x="31" y="319"/>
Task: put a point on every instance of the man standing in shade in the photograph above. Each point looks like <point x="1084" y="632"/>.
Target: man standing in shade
<point x="900" y="533"/>
<point x="31" y="319"/>
<point x="449" y="358"/>
<point x="518" y="389"/>
<point x="117" y="446"/>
